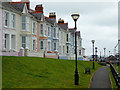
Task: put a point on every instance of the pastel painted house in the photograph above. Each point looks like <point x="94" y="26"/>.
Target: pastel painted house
<point x="9" y="29"/>
<point x="28" y="32"/>
<point x="64" y="40"/>
<point x="53" y="39"/>
<point x="22" y="31"/>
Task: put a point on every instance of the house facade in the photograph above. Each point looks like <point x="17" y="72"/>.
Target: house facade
<point x="27" y="29"/>
<point x="1" y="13"/>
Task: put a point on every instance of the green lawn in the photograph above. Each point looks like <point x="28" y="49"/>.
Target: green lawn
<point x="34" y="72"/>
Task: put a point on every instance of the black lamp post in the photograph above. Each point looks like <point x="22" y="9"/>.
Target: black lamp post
<point x="93" y="41"/>
<point x="109" y="53"/>
<point x="96" y="53"/>
<point x="75" y="17"/>
<point x="104" y="52"/>
<point x="100" y="56"/>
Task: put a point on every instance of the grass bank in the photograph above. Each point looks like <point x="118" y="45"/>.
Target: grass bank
<point x="35" y="72"/>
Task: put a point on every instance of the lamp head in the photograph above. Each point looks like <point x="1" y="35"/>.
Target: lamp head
<point x="104" y="48"/>
<point x="95" y="47"/>
<point x="92" y="41"/>
<point x="75" y="16"/>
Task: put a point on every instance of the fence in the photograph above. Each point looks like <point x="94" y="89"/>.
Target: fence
<point x="115" y="75"/>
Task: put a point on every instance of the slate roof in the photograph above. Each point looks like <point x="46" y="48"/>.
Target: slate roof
<point x="19" y="6"/>
<point x="12" y="7"/>
<point x="64" y="26"/>
<point x="38" y="15"/>
<point x="50" y="20"/>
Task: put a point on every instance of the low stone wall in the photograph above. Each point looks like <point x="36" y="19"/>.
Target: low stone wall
<point x="35" y="54"/>
<point x="51" y="55"/>
<point x="9" y="53"/>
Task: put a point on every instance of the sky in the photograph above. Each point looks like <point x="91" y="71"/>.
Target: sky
<point x="98" y="20"/>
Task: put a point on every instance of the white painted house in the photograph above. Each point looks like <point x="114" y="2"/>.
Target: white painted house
<point x="9" y="29"/>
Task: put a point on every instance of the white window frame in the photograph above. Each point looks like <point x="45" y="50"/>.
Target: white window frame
<point x="27" y="42"/>
<point x="13" y="20"/>
<point x="63" y="49"/>
<point x="23" y="43"/>
<point x="41" y="30"/>
<point x="67" y="49"/>
<point x="55" y="46"/>
<point x="34" y="45"/>
<point x="26" y="22"/>
<point x="54" y="32"/>
<point x="67" y="37"/>
<point x="23" y="22"/>
<point x="59" y="49"/>
<point x="49" y="32"/>
<point x="34" y="28"/>
<point x="40" y="44"/>
<point x="6" y="13"/>
<point x="49" y="48"/>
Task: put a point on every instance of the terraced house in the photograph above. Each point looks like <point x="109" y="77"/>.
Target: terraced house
<point x="27" y="32"/>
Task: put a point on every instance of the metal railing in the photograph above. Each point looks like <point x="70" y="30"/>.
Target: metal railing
<point x="115" y="75"/>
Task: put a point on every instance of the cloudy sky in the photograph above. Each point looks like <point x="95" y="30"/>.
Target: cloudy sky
<point x="98" y="20"/>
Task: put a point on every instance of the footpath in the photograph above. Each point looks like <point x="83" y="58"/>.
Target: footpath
<point x="101" y="78"/>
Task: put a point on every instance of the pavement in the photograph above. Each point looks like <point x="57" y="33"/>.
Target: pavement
<point x="101" y="78"/>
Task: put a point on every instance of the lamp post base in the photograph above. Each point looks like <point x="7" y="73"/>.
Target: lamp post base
<point x="76" y="77"/>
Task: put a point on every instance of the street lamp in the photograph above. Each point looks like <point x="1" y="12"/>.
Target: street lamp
<point x="96" y="53"/>
<point x="75" y="17"/>
<point x="109" y="53"/>
<point x="100" y="56"/>
<point x="104" y="52"/>
<point x="93" y="41"/>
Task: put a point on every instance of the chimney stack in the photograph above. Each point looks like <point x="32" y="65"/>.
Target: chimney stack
<point x="52" y="15"/>
<point x="39" y="8"/>
<point x="61" y="20"/>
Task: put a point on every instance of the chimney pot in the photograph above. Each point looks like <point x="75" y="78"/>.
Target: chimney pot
<point x="39" y="8"/>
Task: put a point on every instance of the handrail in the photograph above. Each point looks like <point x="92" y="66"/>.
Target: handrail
<point x="115" y="75"/>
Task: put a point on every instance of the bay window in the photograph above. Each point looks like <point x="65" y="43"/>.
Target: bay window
<point x="25" y="23"/>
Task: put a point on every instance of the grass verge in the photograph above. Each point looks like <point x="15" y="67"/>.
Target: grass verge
<point x="35" y="72"/>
